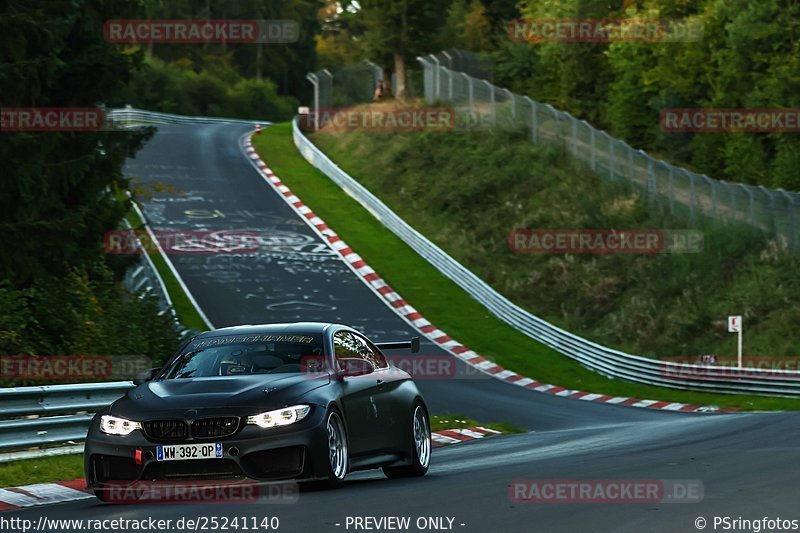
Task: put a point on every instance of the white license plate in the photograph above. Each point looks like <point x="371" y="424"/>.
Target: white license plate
<point x="183" y="452"/>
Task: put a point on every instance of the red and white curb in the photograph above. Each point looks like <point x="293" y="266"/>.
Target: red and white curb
<point x="43" y="493"/>
<point x="446" y="437"/>
<point x="413" y="317"/>
<point x="66" y="491"/>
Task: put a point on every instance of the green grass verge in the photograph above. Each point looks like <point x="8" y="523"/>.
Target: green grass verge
<point x="186" y="312"/>
<point x="42" y="470"/>
<point x="456" y="421"/>
<point x="444" y="303"/>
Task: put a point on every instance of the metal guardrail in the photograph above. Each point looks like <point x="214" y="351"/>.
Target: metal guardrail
<point x="606" y="361"/>
<point x="51" y="415"/>
<point x="129" y="115"/>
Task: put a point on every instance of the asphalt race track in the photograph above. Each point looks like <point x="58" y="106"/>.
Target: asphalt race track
<point x="747" y="463"/>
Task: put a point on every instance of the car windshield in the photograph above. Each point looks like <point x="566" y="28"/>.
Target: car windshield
<point x="238" y="355"/>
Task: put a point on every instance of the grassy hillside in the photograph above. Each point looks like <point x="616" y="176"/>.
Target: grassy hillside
<point x="468" y="190"/>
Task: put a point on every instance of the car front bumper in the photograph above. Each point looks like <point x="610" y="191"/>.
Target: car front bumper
<point x="297" y="451"/>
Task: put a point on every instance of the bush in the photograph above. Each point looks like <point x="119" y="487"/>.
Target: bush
<point x="217" y="90"/>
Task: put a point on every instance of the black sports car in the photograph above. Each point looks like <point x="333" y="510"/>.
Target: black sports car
<point x="268" y="402"/>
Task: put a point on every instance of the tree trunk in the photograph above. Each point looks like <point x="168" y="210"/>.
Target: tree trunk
<point x="388" y="90"/>
<point x="400" y="73"/>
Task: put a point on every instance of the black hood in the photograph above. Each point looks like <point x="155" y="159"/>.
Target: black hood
<point x="247" y="394"/>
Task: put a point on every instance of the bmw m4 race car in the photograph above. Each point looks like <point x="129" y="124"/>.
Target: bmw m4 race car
<point x="302" y="401"/>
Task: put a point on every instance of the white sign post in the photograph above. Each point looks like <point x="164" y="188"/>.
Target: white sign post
<point x="735" y="326"/>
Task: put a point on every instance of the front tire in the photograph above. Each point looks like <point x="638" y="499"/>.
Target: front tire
<point x="420" y="447"/>
<point x="338" y="459"/>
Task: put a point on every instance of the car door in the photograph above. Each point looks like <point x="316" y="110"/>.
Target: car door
<point x="393" y="411"/>
<point x="359" y="398"/>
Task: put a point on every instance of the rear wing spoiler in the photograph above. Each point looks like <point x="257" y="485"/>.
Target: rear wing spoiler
<point x="413" y="344"/>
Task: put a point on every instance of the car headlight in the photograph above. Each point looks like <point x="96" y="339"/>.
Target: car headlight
<point x="280" y="417"/>
<point x="118" y="426"/>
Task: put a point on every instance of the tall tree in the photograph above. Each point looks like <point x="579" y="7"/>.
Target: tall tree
<point x="396" y="31"/>
<point x="57" y="187"/>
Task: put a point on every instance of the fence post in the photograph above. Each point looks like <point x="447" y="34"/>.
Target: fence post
<point x="574" y="136"/>
<point x="557" y="116"/>
<point x="426" y="77"/>
<point x="630" y="163"/>
<point x="612" y="160"/>
<point x="794" y="246"/>
<point x="436" y="75"/>
<point x="713" y="197"/>
<point x="773" y="225"/>
<point x="450" y="84"/>
<point x="471" y="93"/>
<point x="671" y="194"/>
<point x="594" y="153"/>
<point x="513" y="103"/>
<point x="491" y="102"/>
<point x="534" y="125"/>
<point x="315" y="82"/>
<point x="457" y="52"/>
<point x="449" y="60"/>
<point x="752" y="206"/>
<point x="692" y="197"/>
<point x="325" y="96"/>
<point x="651" y="178"/>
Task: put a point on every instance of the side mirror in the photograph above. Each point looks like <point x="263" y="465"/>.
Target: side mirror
<point x="145" y="376"/>
<point x="355" y="367"/>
